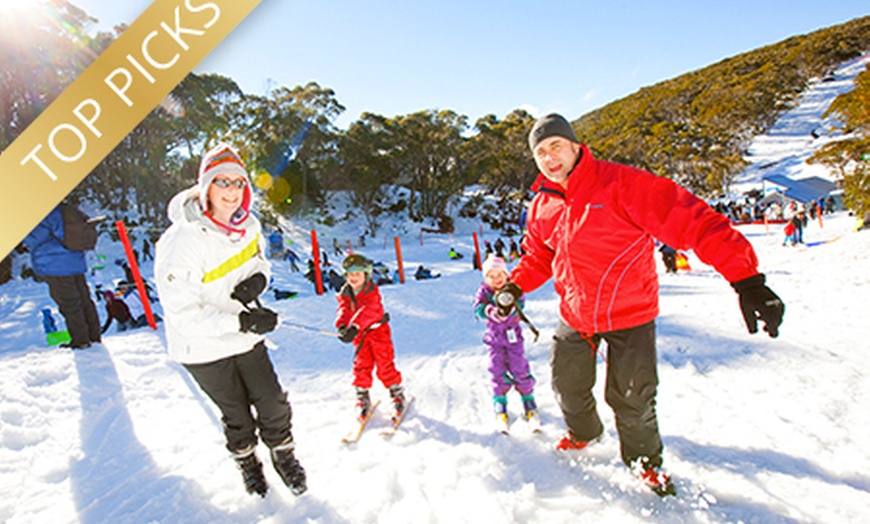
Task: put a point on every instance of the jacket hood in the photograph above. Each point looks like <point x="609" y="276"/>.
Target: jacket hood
<point x="185" y="207"/>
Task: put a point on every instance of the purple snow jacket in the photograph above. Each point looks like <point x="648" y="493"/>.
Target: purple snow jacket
<point x="496" y="332"/>
<point x="508" y="365"/>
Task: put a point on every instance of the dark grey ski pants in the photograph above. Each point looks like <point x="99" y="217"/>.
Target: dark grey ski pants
<point x="238" y="383"/>
<point x="630" y="387"/>
<point x="73" y="299"/>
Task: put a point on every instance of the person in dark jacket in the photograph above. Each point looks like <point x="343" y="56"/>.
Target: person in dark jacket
<point x="799" y="220"/>
<point x="64" y="272"/>
<point x="669" y="258"/>
<point x="591" y="227"/>
<point x="117" y="310"/>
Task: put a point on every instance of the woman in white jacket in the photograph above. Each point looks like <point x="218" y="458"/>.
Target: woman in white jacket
<point x="210" y="265"/>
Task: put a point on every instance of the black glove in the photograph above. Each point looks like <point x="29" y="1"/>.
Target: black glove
<point x="513" y="289"/>
<point x="259" y="320"/>
<point x="347" y="334"/>
<point x="758" y="302"/>
<point x="249" y="289"/>
<point x="506" y="298"/>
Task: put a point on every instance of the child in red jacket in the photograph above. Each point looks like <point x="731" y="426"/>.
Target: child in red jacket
<point x="361" y="320"/>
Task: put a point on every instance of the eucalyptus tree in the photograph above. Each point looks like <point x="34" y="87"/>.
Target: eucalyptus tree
<point x="425" y="150"/>
<point x="498" y="154"/>
<point x="366" y="167"/>
<point x="43" y="48"/>
<point x="289" y="137"/>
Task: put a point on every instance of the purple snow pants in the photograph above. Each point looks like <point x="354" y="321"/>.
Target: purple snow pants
<point x="507" y="359"/>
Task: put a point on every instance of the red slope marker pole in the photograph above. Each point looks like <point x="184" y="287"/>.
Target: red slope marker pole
<point x="399" y="259"/>
<point x="318" y="276"/>
<point x="134" y="267"/>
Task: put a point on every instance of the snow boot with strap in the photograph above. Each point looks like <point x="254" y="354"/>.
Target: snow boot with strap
<point x="530" y="407"/>
<point x="397" y="392"/>
<point x="363" y="404"/>
<point x="288" y="467"/>
<point x="252" y="471"/>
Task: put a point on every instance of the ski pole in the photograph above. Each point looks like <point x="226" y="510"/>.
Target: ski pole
<point x="310" y="328"/>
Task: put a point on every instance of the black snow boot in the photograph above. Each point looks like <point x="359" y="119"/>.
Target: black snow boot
<point x="288" y="467"/>
<point x="252" y="471"/>
<point x="363" y="404"/>
<point x="397" y="392"/>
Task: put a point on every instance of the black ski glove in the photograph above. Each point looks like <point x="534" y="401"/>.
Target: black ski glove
<point x="347" y="334"/>
<point x="506" y="298"/>
<point x="259" y="320"/>
<point x="249" y="289"/>
<point x="758" y="302"/>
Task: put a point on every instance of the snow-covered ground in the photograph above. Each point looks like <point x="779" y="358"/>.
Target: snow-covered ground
<point x="755" y="429"/>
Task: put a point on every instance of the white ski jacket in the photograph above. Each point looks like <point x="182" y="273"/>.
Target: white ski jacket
<point x="197" y="265"/>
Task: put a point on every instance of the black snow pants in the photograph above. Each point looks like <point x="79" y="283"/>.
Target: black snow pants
<point x="238" y="383"/>
<point x="630" y="387"/>
<point x="73" y="299"/>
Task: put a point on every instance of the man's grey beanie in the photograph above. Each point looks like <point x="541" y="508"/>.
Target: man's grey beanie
<point x="551" y="125"/>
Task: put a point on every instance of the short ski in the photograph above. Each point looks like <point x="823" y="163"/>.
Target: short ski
<point x="502" y="425"/>
<point x="534" y="423"/>
<point x="355" y="434"/>
<point x="397" y="421"/>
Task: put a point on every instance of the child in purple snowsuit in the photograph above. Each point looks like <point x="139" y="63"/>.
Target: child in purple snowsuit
<point x="504" y="339"/>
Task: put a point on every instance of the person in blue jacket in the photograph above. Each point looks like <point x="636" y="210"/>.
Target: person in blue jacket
<point x="64" y="272"/>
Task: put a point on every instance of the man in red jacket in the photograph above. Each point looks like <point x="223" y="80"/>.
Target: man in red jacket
<point x="591" y="227"/>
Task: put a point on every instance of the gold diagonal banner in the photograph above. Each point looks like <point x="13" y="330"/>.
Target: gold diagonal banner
<point x="116" y="92"/>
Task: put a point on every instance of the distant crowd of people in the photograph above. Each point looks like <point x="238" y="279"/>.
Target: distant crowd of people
<point x="753" y="208"/>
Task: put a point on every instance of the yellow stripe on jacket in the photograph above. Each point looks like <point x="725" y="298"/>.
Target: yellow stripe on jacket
<point x="236" y="261"/>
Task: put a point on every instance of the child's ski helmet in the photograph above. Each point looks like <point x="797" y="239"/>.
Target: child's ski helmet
<point x="356" y="262"/>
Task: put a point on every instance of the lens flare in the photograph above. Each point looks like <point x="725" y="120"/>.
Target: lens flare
<point x="280" y="191"/>
<point x="263" y="180"/>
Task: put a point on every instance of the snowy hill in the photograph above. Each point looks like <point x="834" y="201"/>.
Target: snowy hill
<point x="798" y="133"/>
<point x="755" y="429"/>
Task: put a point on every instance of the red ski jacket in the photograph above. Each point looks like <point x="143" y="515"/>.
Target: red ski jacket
<point x="595" y="238"/>
<point x="364" y="309"/>
<point x="374" y="342"/>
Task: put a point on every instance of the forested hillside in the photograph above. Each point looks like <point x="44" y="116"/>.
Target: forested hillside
<point x="695" y="128"/>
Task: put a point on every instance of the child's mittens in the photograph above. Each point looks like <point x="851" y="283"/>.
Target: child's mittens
<point x="347" y="334"/>
<point x="493" y="314"/>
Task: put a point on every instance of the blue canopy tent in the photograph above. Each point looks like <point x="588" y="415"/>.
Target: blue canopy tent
<point x="804" y="190"/>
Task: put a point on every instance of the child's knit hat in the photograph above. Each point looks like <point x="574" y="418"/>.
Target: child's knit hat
<point x="494" y="263"/>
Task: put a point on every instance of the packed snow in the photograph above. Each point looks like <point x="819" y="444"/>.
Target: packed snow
<point x="755" y="429"/>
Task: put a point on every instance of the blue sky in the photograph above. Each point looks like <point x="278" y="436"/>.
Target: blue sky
<point x="479" y="57"/>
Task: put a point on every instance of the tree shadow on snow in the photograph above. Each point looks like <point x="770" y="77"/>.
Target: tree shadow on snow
<point x="115" y="478"/>
<point x="750" y="462"/>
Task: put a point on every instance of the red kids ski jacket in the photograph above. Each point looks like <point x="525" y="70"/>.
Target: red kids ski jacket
<point x="374" y="342"/>
<point x="595" y="238"/>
